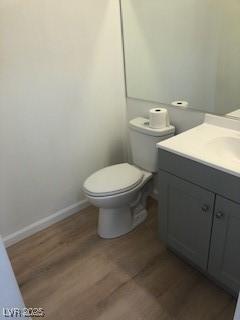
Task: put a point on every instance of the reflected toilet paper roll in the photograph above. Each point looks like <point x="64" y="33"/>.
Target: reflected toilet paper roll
<point x="158" y="118"/>
<point x="180" y="103"/>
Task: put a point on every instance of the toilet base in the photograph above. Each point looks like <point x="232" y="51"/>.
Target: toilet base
<point x="113" y="223"/>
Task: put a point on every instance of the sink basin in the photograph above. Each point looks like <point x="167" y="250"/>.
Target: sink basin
<point x="226" y="147"/>
<point x="215" y="143"/>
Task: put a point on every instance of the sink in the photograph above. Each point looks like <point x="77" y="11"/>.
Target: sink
<point x="226" y="147"/>
<point x="215" y="143"/>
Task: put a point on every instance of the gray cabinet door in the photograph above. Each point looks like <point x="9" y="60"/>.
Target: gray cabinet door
<point x="224" y="261"/>
<point x="185" y="217"/>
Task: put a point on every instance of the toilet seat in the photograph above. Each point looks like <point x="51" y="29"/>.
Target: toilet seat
<point x="113" y="180"/>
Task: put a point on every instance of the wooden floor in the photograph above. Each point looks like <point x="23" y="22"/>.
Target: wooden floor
<point x="73" y="274"/>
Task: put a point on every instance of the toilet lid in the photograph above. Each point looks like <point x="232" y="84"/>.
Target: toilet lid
<point x="113" y="179"/>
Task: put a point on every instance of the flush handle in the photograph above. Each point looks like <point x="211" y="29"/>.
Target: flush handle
<point x="219" y="215"/>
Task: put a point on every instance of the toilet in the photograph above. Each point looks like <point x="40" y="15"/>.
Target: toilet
<point x="120" y="191"/>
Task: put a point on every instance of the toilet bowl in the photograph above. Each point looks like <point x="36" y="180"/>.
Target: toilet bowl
<point x="122" y="207"/>
<point x="120" y="191"/>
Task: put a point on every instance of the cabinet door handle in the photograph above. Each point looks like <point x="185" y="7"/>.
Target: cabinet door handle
<point x="219" y="215"/>
<point x="205" y="208"/>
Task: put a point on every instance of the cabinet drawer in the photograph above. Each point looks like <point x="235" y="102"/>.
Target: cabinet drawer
<point x="216" y="181"/>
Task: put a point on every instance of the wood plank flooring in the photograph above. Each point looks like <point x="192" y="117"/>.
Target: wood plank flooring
<point x="73" y="274"/>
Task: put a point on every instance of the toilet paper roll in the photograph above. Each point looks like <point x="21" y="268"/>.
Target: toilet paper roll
<point x="158" y="118"/>
<point x="180" y="103"/>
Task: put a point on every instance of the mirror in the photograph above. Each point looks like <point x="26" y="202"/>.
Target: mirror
<point x="185" y="50"/>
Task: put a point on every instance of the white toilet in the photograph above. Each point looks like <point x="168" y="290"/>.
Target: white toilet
<point x="120" y="191"/>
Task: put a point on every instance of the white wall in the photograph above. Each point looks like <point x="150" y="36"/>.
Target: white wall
<point x="62" y="103"/>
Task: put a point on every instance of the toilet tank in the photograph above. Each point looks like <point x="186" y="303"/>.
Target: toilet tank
<point x="143" y="140"/>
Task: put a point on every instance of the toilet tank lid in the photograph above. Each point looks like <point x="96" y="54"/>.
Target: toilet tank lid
<point x="142" y="125"/>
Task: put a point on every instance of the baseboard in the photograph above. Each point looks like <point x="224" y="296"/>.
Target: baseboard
<point x="44" y="223"/>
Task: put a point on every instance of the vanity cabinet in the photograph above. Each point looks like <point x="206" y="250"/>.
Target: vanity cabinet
<point x="199" y="217"/>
